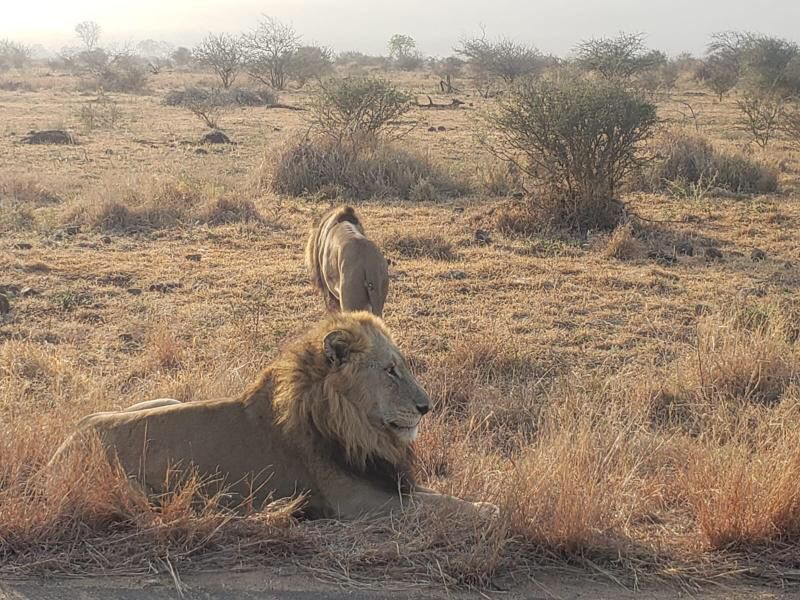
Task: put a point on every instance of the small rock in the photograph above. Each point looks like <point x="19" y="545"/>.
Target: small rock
<point x="758" y="255"/>
<point x="194" y="257"/>
<point x="713" y="254"/>
<point x="483" y="237"/>
<point x="105" y="239"/>
<point x="787" y="265"/>
<point x="5" y="305"/>
<point x="441" y="128"/>
<point x="685" y="248"/>
<point x="22" y="246"/>
<point x="165" y="287"/>
<point x="72" y="229"/>
<point x="108" y="152"/>
<point x="134" y="291"/>
<point x="50" y="136"/>
<point x="215" y="137"/>
<point x="28" y="291"/>
<point x="201" y="151"/>
<point x="455" y="275"/>
<point x="431" y="128"/>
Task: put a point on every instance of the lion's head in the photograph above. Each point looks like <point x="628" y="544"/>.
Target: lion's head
<point x="347" y="381"/>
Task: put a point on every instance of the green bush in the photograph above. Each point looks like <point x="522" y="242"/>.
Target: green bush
<point x="577" y="139"/>
<point x="357" y="106"/>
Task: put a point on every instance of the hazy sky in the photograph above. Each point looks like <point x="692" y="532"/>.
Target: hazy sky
<point x="552" y="25"/>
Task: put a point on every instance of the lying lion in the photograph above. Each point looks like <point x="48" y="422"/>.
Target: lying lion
<point x="348" y="268"/>
<point x="333" y="417"/>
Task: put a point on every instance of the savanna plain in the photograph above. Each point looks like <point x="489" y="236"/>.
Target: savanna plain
<point x="629" y="398"/>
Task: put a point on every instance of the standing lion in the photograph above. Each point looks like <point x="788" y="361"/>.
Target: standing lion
<point x="348" y="268"/>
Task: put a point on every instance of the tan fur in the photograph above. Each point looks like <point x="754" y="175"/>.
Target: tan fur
<point x="333" y="417"/>
<point x="151" y="404"/>
<point x="349" y="269"/>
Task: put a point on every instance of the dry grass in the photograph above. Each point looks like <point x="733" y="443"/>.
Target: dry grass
<point x="358" y="168"/>
<point x="631" y="419"/>
<point x="413" y="246"/>
<point x="689" y="165"/>
<point x="623" y="244"/>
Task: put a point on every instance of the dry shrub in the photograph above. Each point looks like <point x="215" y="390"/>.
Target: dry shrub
<point x="164" y="351"/>
<point x="745" y="497"/>
<point x="28" y="191"/>
<point x="166" y="203"/>
<point x="434" y="247"/>
<point x="519" y="219"/>
<point x="577" y="138"/>
<point x="361" y="167"/>
<point x="498" y="178"/>
<point x="623" y="244"/>
<point x="20" y="197"/>
<point x="691" y="166"/>
<point x="223" y="211"/>
<point x="472" y="364"/>
<point x="744" y="356"/>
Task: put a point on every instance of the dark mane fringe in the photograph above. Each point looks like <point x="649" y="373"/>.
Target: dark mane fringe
<point x="378" y="471"/>
<point x="347" y="214"/>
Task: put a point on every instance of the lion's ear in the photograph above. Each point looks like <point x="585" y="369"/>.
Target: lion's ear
<point x="337" y="347"/>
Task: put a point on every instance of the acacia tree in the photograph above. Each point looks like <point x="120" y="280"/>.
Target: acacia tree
<point x="621" y="57"/>
<point x="223" y="54"/>
<point x="89" y="33"/>
<point x="401" y="46"/>
<point x="310" y="62"/>
<point x="269" y="52"/>
<point x="501" y="59"/>
<point x="719" y="73"/>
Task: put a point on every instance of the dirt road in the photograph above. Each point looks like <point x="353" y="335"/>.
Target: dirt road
<point x="263" y="585"/>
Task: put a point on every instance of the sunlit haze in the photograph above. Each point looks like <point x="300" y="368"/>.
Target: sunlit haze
<point x="552" y="25"/>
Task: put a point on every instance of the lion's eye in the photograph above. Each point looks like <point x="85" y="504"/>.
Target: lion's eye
<point x="393" y="372"/>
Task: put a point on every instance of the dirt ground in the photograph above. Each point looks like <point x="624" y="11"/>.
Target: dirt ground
<point x="261" y="585"/>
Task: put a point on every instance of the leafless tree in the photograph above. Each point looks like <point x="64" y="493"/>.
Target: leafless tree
<point x="89" y="33"/>
<point x="762" y="115"/>
<point x="13" y="55"/>
<point x="270" y="49"/>
<point x="222" y="53"/>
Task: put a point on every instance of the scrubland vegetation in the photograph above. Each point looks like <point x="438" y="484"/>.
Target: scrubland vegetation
<point x="595" y="271"/>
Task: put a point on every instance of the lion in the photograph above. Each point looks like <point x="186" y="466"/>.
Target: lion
<point x="332" y="418"/>
<point x="347" y="267"/>
<point x="151" y="404"/>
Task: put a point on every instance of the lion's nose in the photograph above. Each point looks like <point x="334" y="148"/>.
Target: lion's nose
<point x="424" y="408"/>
